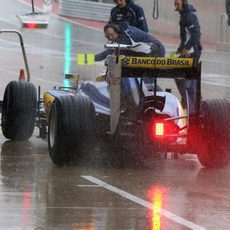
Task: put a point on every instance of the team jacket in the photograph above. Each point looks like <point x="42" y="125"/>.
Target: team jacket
<point x="227" y="5"/>
<point x="129" y="37"/>
<point x="190" y="31"/>
<point x="131" y="13"/>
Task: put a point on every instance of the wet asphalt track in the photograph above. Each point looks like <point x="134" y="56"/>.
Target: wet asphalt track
<point x="161" y="194"/>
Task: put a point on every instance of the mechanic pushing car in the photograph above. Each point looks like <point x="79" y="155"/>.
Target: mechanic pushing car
<point x="142" y="43"/>
<point x="127" y="10"/>
<point x="190" y="46"/>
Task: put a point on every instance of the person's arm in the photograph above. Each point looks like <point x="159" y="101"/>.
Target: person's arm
<point x="182" y="38"/>
<point x="141" y="20"/>
<point x="113" y="15"/>
<point x="194" y="29"/>
<point x="101" y="56"/>
<point x="140" y="36"/>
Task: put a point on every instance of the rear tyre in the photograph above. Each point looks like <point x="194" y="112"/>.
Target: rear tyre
<point x="19" y="110"/>
<point x="71" y="129"/>
<point x="215" y="133"/>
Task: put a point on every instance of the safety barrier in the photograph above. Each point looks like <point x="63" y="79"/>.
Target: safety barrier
<point x="85" y="9"/>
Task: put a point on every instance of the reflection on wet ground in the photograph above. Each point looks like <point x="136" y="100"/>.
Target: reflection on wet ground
<point x="163" y="194"/>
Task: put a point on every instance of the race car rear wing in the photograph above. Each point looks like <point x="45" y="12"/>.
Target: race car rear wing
<point x="159" y="67"/>
<point x="147" y="67"/>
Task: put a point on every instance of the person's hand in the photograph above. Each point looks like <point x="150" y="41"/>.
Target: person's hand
<point x="185" y="53"/>
<point x="172" y="54"/>
<point x="178" y="52"/>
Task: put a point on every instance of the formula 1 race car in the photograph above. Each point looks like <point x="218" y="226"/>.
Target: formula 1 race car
<point x="121" y="111"/>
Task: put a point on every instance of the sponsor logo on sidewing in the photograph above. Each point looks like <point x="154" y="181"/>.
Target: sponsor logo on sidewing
<point x="157" y="62"/>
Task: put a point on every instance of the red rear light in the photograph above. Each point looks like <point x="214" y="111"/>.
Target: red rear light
<point x="162" y="129"/>
<point x="30" y="25"/>
<point x="159" y="129"/>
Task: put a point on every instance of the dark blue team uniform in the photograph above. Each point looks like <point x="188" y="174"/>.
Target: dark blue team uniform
<point x="190" y="31"/>
<point x="131" y="13"/>
<point x="190" y="40"/>
<point x="137" y="35"/>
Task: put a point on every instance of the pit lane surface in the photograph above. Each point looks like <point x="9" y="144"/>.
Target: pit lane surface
<point x="162" y="194"/>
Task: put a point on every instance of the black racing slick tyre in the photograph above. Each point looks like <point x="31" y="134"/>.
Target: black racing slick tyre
<point x="71" y="129"/>
<point x="19" y="110"/>
<point x="215" y="133"/>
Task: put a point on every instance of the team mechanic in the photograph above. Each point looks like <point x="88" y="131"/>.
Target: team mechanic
<point x="127" y="10"/>
<point x="147" y="45"/>
<point x="190" y="46"/>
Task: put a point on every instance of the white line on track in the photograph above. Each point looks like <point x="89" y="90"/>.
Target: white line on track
<point x="215" y="79"/>
<point x="144" y="203"/>
<point x="216" y="84"/>
<point x="9" y="22"/>
<point x="48" y="81"/>
<point x="89" y="185"/>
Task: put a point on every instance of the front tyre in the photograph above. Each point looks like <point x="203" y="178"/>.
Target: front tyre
<point x="19" y="110"/>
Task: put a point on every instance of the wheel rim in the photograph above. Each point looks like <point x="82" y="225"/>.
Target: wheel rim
<point x="52" y="127"/>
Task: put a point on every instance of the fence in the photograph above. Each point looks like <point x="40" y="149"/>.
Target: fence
<point x="85" y="9"/>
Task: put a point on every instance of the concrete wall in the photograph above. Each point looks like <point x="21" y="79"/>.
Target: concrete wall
<point x="208" y="11"/>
